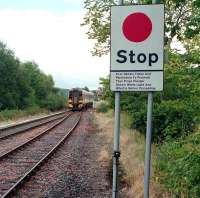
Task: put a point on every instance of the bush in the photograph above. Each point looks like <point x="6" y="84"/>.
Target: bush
<point x="171" y="119"/>
<point x="102" y="106"/>
<point x="15" y="114"/>
<point x="176" y="109"/>
<point x="54" y="102"/>
<point x="177" y="166"/>
<point x="10" y="114"/>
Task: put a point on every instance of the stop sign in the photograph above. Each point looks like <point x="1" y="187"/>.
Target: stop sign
<point x="137" y="42"/>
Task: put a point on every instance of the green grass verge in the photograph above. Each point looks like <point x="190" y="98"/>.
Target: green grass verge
<point x="15" y="114"/>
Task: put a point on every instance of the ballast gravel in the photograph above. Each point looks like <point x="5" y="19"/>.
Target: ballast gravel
<point x="74" y="171"/>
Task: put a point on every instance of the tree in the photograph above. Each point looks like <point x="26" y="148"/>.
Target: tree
<point x="26" y="92"/>
<point x="192" y="50"/>
<point x="182" y="21"/>
<point x="86" y="88"/>
<point x="24" y="85"/>
<point x="41" y="83"/>
<point x="107" y="94"/>
<point x="9" y="70"/>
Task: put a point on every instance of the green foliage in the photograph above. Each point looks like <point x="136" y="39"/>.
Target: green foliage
<point x="107" y="94"/>
<point x="176" y="109"/>
<point x="181" y="21"/>
<point x="9" y="70"/>
<point x="171" y="119"/>
<point x="24" y="85"/>
<point x="193" y="47"/>
<point x="177" y="166"/>
<point x="16" y="114"/>
<point x="102" y="106"/>
<point x="98" y="18"/>
<point x="54" y="102"/>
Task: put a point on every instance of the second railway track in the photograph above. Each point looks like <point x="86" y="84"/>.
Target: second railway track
<point x="18" y="164"/>
<point x="14" y="129"/>
<point x="12" y="141"/>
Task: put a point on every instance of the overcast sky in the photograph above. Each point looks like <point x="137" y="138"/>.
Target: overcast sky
<point x="49" y="32"/>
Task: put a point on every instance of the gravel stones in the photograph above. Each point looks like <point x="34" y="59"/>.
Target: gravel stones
<point x="75" y="169"/>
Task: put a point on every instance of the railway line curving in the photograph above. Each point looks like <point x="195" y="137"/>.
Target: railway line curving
<point x="19" y="163"/>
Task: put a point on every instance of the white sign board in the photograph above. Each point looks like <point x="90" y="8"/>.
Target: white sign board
<point x="137" y="39"/>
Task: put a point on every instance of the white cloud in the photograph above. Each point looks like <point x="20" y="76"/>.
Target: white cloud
<point x="56" y="42"/>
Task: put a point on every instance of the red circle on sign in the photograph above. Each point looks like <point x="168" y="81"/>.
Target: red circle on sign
<point x="137" y="27"/>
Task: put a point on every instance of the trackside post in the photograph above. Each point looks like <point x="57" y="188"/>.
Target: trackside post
<point x="116" y="152"/>
<point x="147" y="168"/>
<point x="147" y="164"/>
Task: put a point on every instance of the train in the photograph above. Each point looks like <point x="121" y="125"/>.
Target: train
<point x="79" y="99"/>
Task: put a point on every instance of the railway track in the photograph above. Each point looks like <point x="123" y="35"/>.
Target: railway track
<point x="19" y="163"/>
<point x="26" y="125"/>
<point x="10" y="142"/>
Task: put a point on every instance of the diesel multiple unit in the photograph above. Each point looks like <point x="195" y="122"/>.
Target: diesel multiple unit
<point x="79" y="99"/>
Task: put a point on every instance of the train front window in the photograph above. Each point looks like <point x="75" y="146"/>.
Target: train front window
<point x="76" y="94"/>
<point x="70" y="94"/>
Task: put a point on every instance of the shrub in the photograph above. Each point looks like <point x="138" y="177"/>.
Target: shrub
<point x="10" y="114"/>
<point x="171" y="119"/>
<point x="15" y="114"/>
<point x="102" y="106"/>
<point x="177" y="166"/>
<point x="54" y="102"/>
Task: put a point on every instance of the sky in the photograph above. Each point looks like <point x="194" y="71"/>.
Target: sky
<point x="48" y="32"/>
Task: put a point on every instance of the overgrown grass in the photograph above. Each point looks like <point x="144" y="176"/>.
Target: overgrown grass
<point x="133" y="151"/>
<point x="15" y="114"/>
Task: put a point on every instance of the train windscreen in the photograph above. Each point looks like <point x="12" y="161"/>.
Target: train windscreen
<point x="75" y="94"/>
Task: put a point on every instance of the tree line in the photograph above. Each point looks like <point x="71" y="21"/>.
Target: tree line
<point x="24" y="85"/>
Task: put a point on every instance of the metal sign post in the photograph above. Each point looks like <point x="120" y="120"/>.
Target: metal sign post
<point x="147" y="167"/>
<point x="116" y="152"/>
<point x="148" y="145"/>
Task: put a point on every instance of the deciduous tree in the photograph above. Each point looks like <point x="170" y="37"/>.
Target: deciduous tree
<point x="182" y="21"/>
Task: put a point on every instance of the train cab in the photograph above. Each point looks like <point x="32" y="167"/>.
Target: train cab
<point x="79" y="99"/>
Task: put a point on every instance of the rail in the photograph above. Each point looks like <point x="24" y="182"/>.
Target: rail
<point x="28" y="174"/>
<point x="23" y="126"/>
